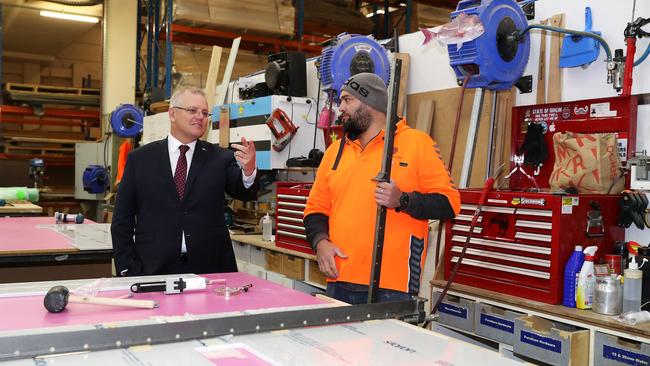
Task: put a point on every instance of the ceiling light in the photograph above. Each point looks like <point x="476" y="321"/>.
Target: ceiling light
<point x="67" y="16"/>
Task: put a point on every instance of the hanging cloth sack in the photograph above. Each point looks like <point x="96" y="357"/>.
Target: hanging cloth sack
<point x="588" y="162"/>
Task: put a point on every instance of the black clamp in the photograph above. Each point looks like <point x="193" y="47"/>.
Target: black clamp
<point x="634" y="207"/>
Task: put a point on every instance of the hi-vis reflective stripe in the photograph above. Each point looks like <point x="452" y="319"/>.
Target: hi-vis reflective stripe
<point x="292" y="197"/>
<point x="505" y="257"/>
<point x="502" y="244"/>
<point x="502" y="268"/>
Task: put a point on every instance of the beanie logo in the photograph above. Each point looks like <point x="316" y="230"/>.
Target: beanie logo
<point x="355" y="86"/>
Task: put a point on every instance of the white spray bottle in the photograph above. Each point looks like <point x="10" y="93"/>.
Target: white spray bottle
<point x="586" y="280"/>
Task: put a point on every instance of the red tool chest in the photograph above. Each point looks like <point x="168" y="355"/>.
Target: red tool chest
<point x="291" y="200"/>
<point x="523" y="240"/>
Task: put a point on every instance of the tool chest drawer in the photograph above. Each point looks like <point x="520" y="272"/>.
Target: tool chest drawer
<point x="522" y="240"/>
<point x="291" y="201"/>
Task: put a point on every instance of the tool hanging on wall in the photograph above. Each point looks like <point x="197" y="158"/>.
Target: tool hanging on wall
<point x="282" y="129"/>
<point x="579" y="50"/>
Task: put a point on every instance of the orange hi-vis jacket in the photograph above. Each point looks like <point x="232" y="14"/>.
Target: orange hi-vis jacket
<point x="347" y="197"/>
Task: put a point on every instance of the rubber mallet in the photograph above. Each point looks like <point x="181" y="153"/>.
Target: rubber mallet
<point x="58" y="297"/>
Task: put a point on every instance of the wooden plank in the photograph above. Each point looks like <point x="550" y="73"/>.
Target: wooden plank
<point x="425" y="116"/>
<point x="20" y="207"/>
<point x="223" y="88"/>
<point x="541" y="69"/>
<point x="224" y="127"/>
<point x="555" y="73"/>
<point x="404" y="79"/>
<point x="211" y="83"/>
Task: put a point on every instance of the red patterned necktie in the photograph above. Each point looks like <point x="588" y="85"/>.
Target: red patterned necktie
<point x="181" y="171"/>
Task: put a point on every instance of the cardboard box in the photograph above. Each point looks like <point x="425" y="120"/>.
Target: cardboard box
<point x="315" y="275"/>
<point x="293" y="267"/>
<point x="274" y="261"/>
<point x="551" y="342"/>
<point x="495" y="323"/>
<point x="455" y="312"/>
<point x="612" y="350"/>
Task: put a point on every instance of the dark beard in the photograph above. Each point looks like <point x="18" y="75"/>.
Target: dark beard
<point x="358" y="123"/>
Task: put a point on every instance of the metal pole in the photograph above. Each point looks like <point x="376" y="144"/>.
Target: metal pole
<point x="301" y="19"/>
<point x="472" y="134"/>
<point x="384" y="176"/>
<point x="149" y="45"/>
<point x="386" y="18"/>
<point x="137" y="46"/>
<point x="168" y="50"/>
<point x="493" y="129"/>
<point x="409" y="15"/>
<point x="156" y="42"/>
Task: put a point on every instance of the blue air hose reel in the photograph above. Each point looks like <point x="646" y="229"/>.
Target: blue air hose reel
<point x="95" y="179"/>
<point x="498" y="57"/>
<point x="127" y="120"/>
<point x="350" y="54"/>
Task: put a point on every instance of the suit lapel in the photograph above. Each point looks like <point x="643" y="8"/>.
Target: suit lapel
<point x="200" y="154"/>
<point x="165" y="166"/>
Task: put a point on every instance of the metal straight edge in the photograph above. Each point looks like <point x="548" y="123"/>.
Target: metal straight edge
<point x="491" y="143"/>
<point x="99" y="338"/>
<point x="472" y="134"/>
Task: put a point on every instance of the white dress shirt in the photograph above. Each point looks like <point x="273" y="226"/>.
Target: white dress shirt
<point x="174" y="153"/>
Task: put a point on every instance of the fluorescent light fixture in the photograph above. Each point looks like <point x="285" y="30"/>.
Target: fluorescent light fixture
<point x="66" y="16"/>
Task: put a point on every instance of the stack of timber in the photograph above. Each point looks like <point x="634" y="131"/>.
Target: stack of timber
<point x="265" y="17"/>
<point x="332" y="18"/>
<point x="29" y="93"/>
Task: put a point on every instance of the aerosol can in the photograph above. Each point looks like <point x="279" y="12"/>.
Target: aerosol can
<point x="587" y="280"/>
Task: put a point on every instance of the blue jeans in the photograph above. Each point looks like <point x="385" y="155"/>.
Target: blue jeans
<point x="358" y="294"/>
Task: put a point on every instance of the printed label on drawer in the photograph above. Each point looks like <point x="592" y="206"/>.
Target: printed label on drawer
<point x="541" y="342"/>
<point x="626" y="357"/>
<point x="498" y="323"/>
<point x="453" y="310"/>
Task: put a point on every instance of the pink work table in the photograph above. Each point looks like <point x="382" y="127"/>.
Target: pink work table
<point x="28" y="312"/>
<point x="32" y="253"/>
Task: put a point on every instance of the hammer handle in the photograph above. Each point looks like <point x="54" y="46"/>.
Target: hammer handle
<point x="110" y="301"/>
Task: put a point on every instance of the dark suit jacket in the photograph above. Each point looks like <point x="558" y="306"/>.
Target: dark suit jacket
<point x="148" y="207"/>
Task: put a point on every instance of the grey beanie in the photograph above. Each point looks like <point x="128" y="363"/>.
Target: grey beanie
<point x="369" y="88"/>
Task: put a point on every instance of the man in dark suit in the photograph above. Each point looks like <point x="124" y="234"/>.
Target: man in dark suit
<point x="169" y="209"/>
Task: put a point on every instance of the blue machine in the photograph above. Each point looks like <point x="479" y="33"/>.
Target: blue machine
<point x="95" y="179"/>
<point x="498" y="57"/>
<point x="350" y="54"/>
<point x="126" y="120"/>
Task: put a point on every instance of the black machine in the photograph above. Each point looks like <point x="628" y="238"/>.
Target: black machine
<point x="286" y="74"/>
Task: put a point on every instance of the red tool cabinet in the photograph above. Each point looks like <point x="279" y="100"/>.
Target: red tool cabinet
<point x="523" y="239"/>
<point x="291" y="200"/>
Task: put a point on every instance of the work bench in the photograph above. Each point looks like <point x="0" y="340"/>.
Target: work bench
<point x="603" y="334"/>
<point x="37" y="249"/>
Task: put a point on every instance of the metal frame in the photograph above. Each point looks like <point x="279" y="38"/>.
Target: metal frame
<point x="94" y="339"/>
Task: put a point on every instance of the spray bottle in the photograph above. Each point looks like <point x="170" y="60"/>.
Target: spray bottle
<point x="586" y="280"/>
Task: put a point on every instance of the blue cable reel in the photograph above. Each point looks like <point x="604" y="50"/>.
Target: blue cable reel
<point x="499" y="56"/>
<point x="351" y="54"/>
<point x="127" y="120"/>
<point x="95" y="179"/>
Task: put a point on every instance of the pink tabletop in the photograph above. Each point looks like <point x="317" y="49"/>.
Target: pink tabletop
<point x="20" y="235"/>
<point x="28" y="312"/>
